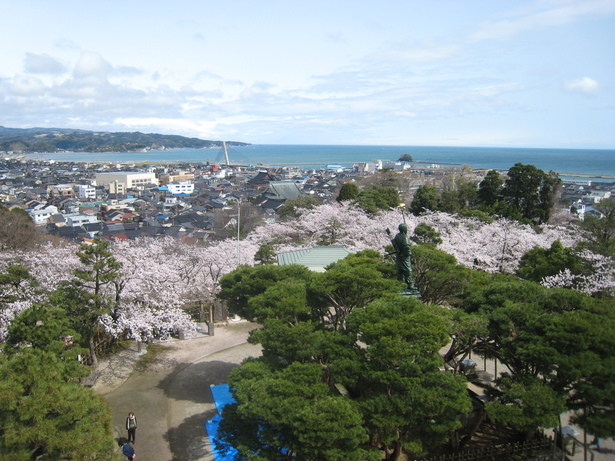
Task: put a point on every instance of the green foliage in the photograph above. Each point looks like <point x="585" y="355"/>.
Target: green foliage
<point x="424" y="234"/>
<point x="459" y="193"/>
<point x="558" y="345"/>
<point x="464" y="331"/>
<point x="377" y="198"/>
<point x="14" y="282"/>
<point x="100" y="268"/>
<point x="490" y="189"/>
<point x="406" y="158"/>
<point x="351" y="283"/>
<point x="266" y="254"/>
<point x="384" y="348"/>
<point x="438" y="276"/>
<point x="348" y="191"/>
<point x="599" y="232"/>
<point x="292" y="209"/>
<point x="405" y="399"/>
<point x="539" y="263"/>
<point x="530" y="192"/>
<point x="44" y="327"/>
<point x="285" y="300"/>
<point x="45" y="414"/>
<point x="426" y="198"/>
<point x="244" y="283"/>
<point x="293" y="411"/>
<point x="526" y="404"/>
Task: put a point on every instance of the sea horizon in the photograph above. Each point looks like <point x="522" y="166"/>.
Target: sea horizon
<point x="567" y="162"/>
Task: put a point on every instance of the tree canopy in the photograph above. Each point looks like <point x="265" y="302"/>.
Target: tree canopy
<point x="348" y="327"/>
<point x="45" y="413"/>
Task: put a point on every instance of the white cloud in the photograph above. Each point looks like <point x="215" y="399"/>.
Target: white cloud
<point x="43" y="64"/>
<point x="27" y="86"/>
<point x="165" y="125"/>
<point x="585" y="85"/>
<point x="556" y="14"/>
<point x="91" y="65"/>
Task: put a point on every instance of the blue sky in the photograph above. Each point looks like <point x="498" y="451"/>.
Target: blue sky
<point x="522" y="73"/>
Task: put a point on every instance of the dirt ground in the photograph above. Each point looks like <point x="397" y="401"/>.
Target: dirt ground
<point x="170" y="393"/>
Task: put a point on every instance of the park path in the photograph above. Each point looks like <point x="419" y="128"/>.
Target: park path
<point x="171" y="397"/>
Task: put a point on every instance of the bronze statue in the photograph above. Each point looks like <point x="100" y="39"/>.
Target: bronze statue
<point x="403" y="259"/>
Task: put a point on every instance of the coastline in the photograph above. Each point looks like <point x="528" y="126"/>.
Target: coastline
<point x="175" y="162"/>
<point x="568" y="163"/>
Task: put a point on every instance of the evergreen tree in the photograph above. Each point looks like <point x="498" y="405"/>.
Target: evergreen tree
<point x="45" y="413"/>
<point x="100" y="269"/>
<point x="378" y="198"/>
<point x="539" y="263"/>
<point x="349" y="191"/>
<point x="265" y="254"/>
<point x="490" y="189"/>
<point x="426" y="198"/>
<point x="530" y="192"/>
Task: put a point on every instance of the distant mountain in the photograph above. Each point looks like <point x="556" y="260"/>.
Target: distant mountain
<point x="31" y="140"/>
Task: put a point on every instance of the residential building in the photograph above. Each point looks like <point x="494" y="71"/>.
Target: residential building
<point x="85" y="192"/>
<point x="120" y="181"/>
<point x="74" y="220"/>
<point x="183" y="187"/>
<point x="42" y="215"/>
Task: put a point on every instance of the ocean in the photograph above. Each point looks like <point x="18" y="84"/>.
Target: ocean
<point x="567" y="162"/>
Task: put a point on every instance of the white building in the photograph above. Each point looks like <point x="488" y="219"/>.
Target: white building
<point x="74" y="220"/>
<point x="183" y="187"/>
<point x="120" y="181"/>
<point x="596" y="196"/>
<point x="41" y="216"/>
<point x="86" y="192"/>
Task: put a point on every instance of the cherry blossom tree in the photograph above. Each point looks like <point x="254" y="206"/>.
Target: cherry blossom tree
<point x="495" y="246"/>
<point x="160" y="277"/>
<point x="600" y="278"/>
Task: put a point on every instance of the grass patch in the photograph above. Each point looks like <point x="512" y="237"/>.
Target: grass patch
<point x="150" y="357"/>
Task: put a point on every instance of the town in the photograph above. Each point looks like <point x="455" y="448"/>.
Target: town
<point x="196" y="202"/>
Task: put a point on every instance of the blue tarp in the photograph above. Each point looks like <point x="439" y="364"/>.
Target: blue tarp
<point x="222" y="396"/>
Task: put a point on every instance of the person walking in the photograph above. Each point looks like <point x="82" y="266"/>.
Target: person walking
<point x="131" y="426"/>
<point x="128" y="451"/>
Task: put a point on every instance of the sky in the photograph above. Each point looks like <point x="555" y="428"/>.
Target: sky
<point x="509" y="73"/>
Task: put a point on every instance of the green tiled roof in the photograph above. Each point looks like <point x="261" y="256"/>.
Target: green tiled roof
<point x="316" y="258"/>
<point x="285" y="190"/>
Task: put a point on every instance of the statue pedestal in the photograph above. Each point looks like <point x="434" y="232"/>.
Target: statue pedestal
<point x="411" y="292"/>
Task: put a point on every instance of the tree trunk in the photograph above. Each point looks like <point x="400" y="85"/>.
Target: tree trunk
<point x="396" y="451"/>
<point x="454" y="439"/>
<point x="93" y="352"/>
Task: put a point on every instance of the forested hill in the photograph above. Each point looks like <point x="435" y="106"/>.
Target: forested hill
<point x="61" y="139"/>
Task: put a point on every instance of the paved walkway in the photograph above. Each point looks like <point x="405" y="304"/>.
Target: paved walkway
<point x="171" y="398"/>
